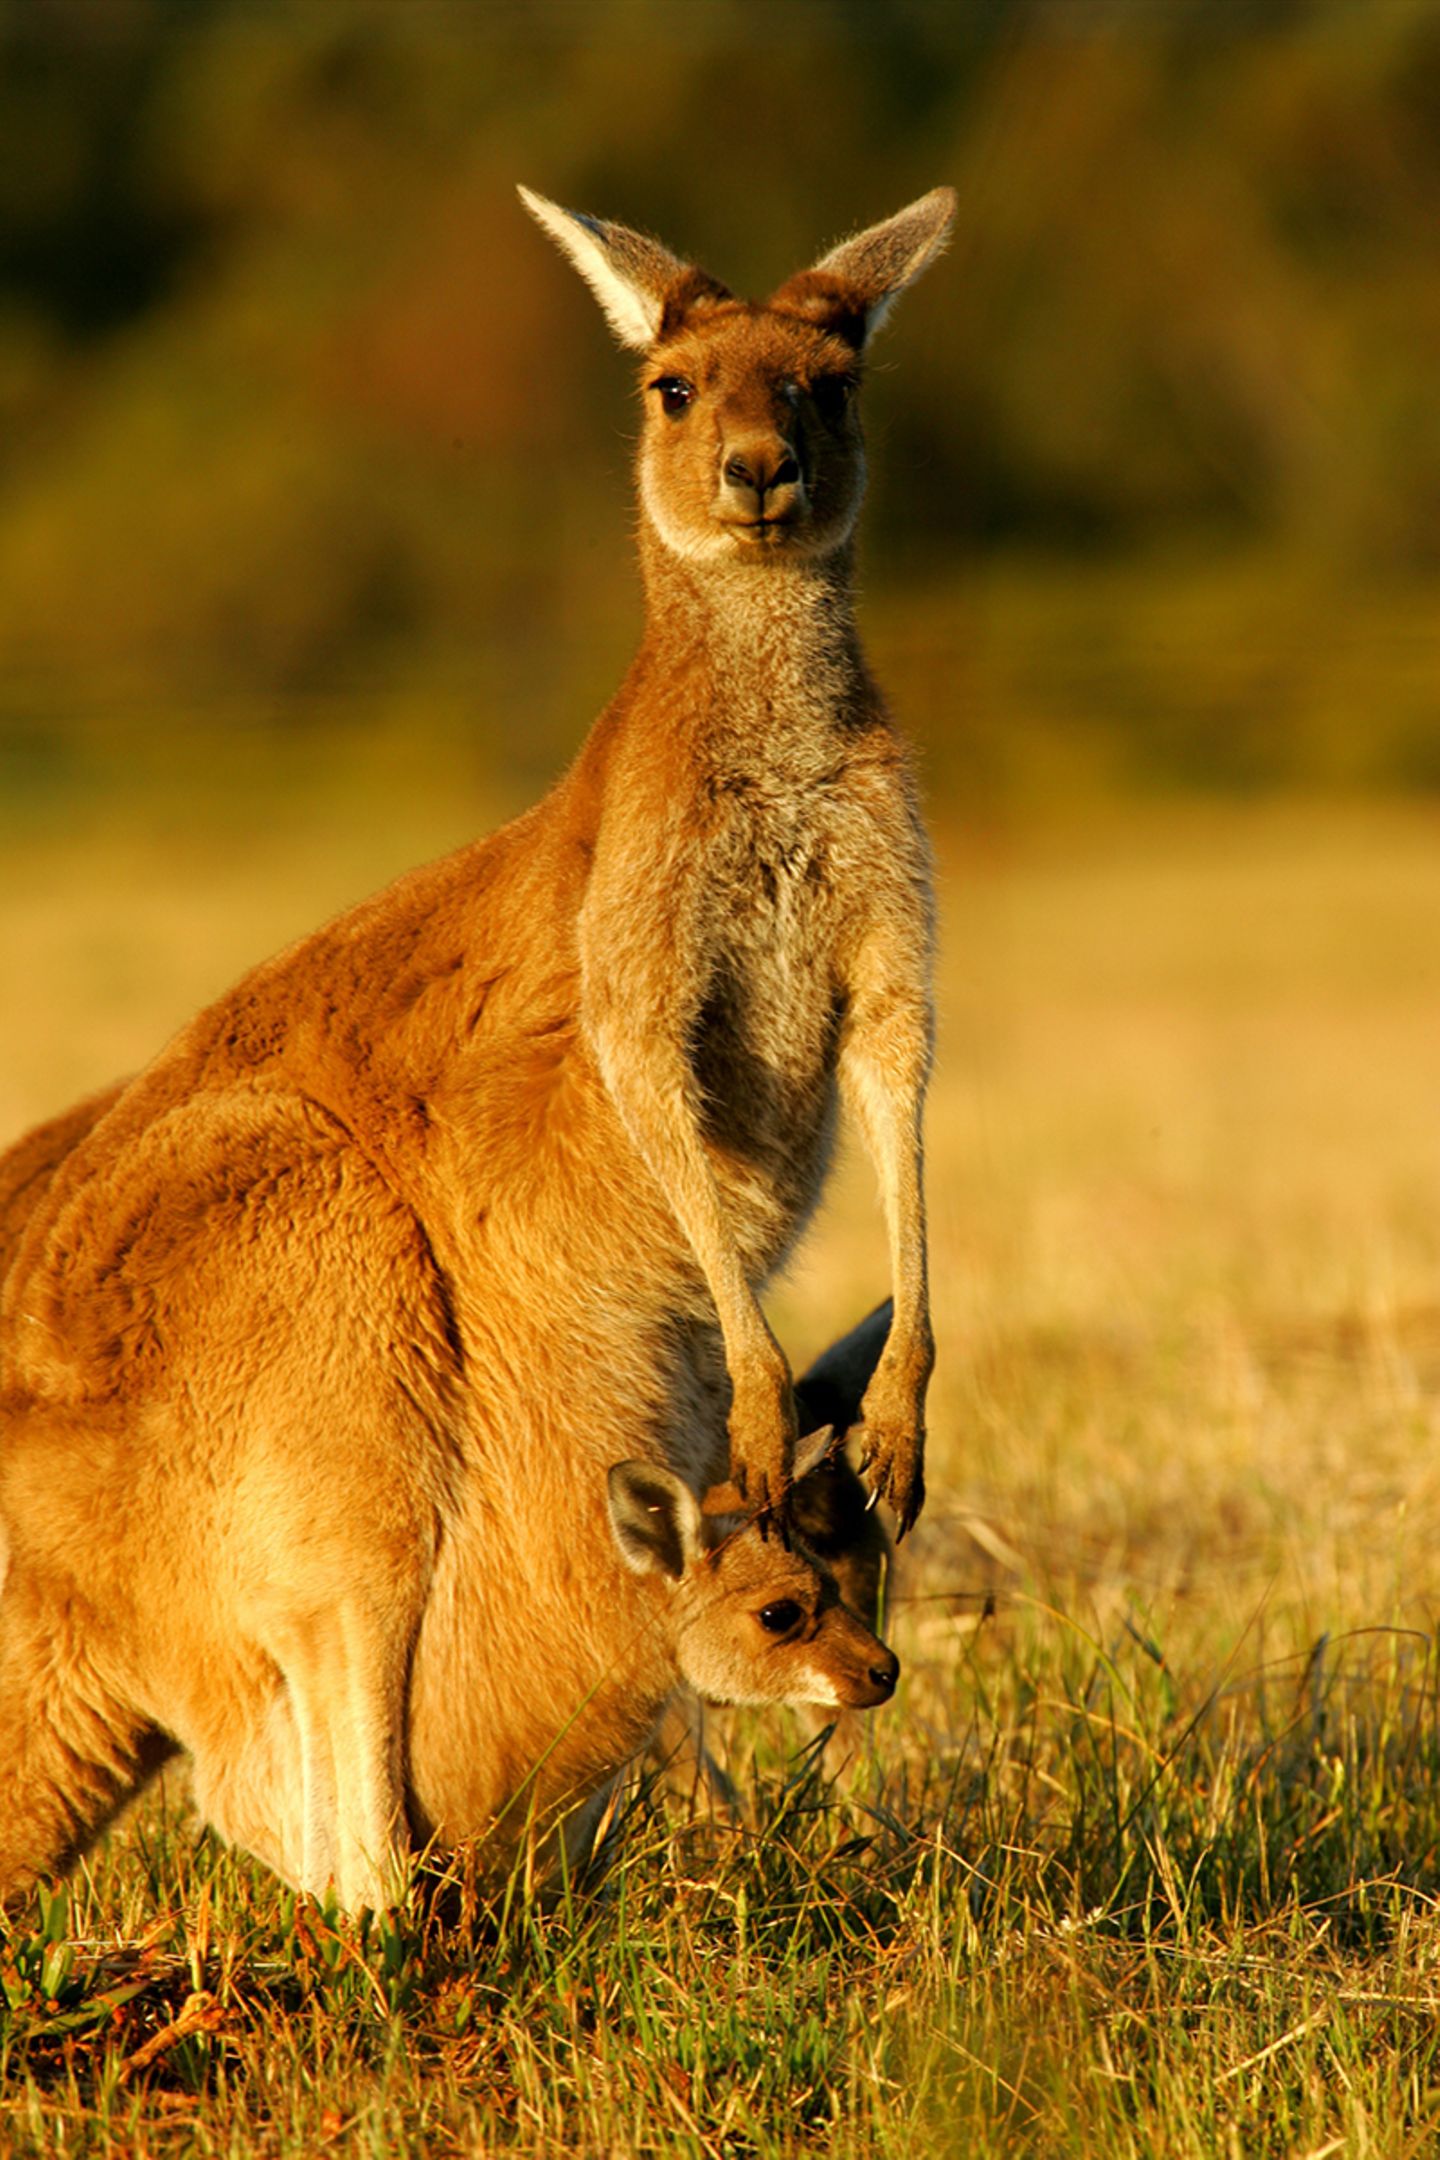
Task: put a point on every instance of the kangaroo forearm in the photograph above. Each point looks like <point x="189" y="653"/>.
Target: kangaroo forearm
<point x="654" y="1096"/>
<point x="883" y="1071"/>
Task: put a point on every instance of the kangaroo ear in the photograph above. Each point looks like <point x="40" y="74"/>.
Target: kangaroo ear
<point x="814" y="1449"/>
<point x="853" y="288"/>
<point x="655" y="1519"/>
<point x="643" y="288"/>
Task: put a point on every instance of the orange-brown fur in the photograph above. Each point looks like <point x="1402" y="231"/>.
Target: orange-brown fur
<point x="317" y="1341"/>
<point x="29" y="1163"/>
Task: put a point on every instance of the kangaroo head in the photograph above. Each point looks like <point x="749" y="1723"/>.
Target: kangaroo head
<point x="751" y="446"/>
<point x="751" y="1622"/>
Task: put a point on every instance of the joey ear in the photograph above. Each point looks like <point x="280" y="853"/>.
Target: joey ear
<point x="642" y="287"/>
<point x="814" y="1449"/>
<point x="832" y="1390"/>
<point x="853" y="288"/>
<point x="655" y="1519"/>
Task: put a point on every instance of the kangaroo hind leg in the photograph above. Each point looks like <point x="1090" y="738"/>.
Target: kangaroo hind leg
<point x="311" y="1778"/>
<point x="71" y="1754"/>
<point x="350" y="1703"/>
<point x="313" y="1782"/>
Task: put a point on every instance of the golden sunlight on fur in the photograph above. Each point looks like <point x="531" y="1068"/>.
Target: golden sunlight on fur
<point x="364" y="1362"/>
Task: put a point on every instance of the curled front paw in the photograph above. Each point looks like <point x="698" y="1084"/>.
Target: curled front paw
<point x="892" y="1464"/>
<point x="757" y="1497"/>
<point x="762" y="1460"/>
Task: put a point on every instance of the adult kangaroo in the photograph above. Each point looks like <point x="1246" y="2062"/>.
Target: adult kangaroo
<point x="347" y="1305"/>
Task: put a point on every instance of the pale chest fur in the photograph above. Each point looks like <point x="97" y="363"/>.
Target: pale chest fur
<point x="783" y="864"/>
<point x="754" y="814"/>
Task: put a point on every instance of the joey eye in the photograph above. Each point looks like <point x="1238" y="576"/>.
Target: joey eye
<point x="832" y="395"/>
<point x="779" y="1618"/>
<point x="675" y="394"/>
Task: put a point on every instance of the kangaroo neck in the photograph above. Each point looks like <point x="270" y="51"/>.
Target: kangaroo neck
<point x="766" y="651"/>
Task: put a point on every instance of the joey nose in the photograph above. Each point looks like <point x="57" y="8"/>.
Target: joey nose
<point x="883" y="1675"/>
<point x="868" y="1684"/>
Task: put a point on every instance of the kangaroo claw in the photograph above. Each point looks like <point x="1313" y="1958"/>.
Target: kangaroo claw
<point x="893" y="1472"/>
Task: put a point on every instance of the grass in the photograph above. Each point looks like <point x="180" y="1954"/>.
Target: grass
<point x="1144" y="1859"/>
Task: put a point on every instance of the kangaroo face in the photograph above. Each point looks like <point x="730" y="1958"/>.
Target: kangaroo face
<point x="751" y="447"/>
<point x="751" y="1622"/>
<point x="752" y="442"/>
<point x="757" y="1624"/>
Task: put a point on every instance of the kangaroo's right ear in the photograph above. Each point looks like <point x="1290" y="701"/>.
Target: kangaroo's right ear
<point x="643" y="288"/>
<point x="655" y="1518"/>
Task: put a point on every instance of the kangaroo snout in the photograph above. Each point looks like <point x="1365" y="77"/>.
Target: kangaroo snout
<point x="881" y="1678"/>
<point x="862" y="1671"/>
<point x="761" y="481"/>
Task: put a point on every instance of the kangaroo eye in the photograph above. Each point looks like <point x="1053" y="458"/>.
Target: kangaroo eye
<point x="675" y="394"/>
<point x="832" y="395"/>
<point x="779" y="1618"/>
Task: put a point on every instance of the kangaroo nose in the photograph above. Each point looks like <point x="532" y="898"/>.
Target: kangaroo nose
<point x="883" y="1676"/>
<point x="757" y="471"/>
<point x="754" y="470"/>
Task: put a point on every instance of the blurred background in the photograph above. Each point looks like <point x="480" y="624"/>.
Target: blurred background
<point x="300" y="420"/>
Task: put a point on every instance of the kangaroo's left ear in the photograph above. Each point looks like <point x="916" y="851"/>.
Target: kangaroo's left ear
<point x="853" y="288"/>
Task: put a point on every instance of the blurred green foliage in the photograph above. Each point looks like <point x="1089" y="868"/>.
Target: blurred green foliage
<point x="298" y="408"/>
